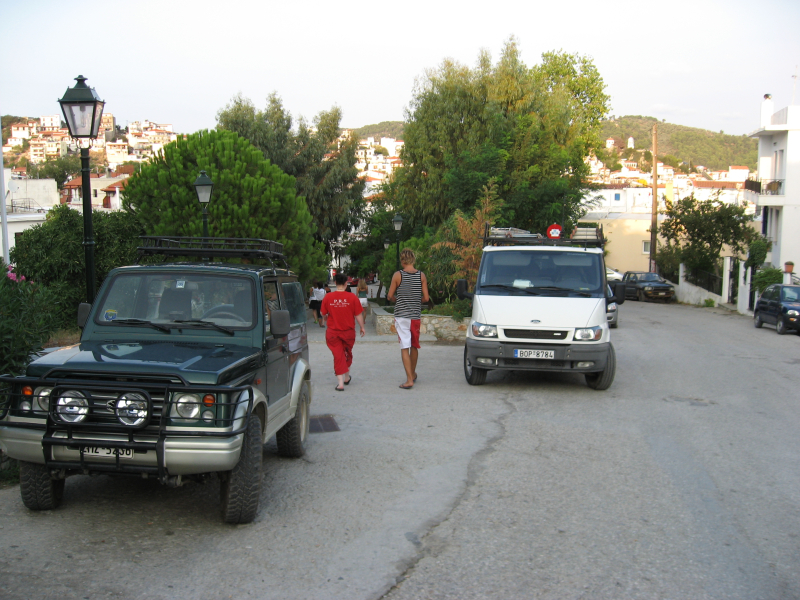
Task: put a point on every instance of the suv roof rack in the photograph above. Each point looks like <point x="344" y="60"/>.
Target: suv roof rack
<point x="582" y="237"/>
<point x="212" y="247"/>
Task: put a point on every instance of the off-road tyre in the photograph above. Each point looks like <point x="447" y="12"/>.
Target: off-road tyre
<point x="292" y="437"/>
<point x="604" y="379"/>
<point x="474" y="375"/>
<point x="757" y="322"/>
<point x="240" y="488"/>
<point x="780" y="326"/>
<point x="38" y="489"/>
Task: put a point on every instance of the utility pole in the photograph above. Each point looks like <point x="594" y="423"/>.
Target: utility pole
<point x="654" y="221"/>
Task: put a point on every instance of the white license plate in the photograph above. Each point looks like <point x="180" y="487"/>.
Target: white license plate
<point x="100" y="452"/>
<point x="662" y="293"/>
<point x="534" y="354"/>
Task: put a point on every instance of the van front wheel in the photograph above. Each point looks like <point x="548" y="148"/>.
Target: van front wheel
<point x="474" y="375"/>
<point x="604" y="379"/>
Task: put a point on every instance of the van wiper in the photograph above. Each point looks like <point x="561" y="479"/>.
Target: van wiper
<point x="202" y="322"/>
<point x="563" y="289"/>
<point x="512" y="288"/>
<point x="142" y="322"/>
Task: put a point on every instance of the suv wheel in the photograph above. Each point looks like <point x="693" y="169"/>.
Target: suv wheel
<point x="640" y="295"/>
<point x="38" y="489"/>
<point x="240" y="488"/>
<point x="780" y="326"/>
<point x="291" y="437"/>
<point x="474" y="375"/>
<point x="603" y="379"/>
<point x="757" y="322"/>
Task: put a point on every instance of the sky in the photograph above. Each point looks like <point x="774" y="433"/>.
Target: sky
<point x="701" y="63"/>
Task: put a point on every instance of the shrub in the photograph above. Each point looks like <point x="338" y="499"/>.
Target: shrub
<point x="765" y="277"/>
<point x="26" y="320"/>
<point x="52" y="253"/>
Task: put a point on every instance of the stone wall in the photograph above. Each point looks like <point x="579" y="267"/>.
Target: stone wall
<point x="442" y="327"/>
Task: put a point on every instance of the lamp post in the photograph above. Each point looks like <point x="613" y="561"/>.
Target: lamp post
<point x="386" y="244"/>
<point x="203" y="186"/>
<point x="398" y="225"/>
<point x="82" y="110"/>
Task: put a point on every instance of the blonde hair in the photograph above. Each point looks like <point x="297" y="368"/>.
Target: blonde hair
<point x="407" y="256"/>
<point x="362" y="285"/>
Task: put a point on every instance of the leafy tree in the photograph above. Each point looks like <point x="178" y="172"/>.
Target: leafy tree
<point x="390" y="129"/>
<point x="252" y="198"/>
<point x="322" y="164"/>
<point x="52" y="253"/>
<point x="529" y="129"/>
<point x="702" y="228"/>
<point x="61" y="169"/>
<point x="381" y="150"/>
<point x="766" y="277"/>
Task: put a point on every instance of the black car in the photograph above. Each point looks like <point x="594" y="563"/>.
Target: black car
<point x="641" y="285"/>
<point x="779" y="305"/>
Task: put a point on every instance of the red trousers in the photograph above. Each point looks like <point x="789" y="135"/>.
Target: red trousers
<point x="341" y="345"/>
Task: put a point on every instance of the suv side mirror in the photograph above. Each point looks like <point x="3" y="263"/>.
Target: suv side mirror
<point x="83" y="313"/>
<point x="619" y="292"/>
<point x="280" y="323"/>
<point x="461" y="289"/>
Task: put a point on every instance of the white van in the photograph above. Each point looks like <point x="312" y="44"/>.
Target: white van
<point x="540" y="305"/>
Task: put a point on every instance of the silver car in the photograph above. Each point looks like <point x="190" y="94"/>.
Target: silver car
<point x="612" y="311"/>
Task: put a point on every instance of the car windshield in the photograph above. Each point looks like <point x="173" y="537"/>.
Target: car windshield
<point x="169" y="298"/>
<point x="650" y="277"/>
<point x="544" y="273"/>
<point x="790" y="293"/>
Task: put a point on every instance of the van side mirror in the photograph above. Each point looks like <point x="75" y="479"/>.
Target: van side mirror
<point x="619" y="292"/>
<point x="280" y="323"/>
<point x="83" y="313"/>
<point x="461" y="289"/>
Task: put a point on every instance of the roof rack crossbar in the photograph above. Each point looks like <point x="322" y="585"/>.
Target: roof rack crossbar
<point x="212" y="247"/>
<point x="511" y="236"/>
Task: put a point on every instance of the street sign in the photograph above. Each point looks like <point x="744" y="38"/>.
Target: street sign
<point x="554" y="231"/>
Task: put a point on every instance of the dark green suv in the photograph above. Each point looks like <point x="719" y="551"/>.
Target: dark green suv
<point x="184" y="369"/>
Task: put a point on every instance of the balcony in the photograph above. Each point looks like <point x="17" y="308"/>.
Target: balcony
<point x="765" y="187"/>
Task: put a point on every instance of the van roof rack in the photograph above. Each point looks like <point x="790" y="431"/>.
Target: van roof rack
<point x="582" y="237"/>
<point x="212" y="247"/>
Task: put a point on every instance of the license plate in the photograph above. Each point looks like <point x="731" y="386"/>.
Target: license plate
<point x="101" y="452"/>
<point x="551" y="354"/>
<point x="662" y="293"/>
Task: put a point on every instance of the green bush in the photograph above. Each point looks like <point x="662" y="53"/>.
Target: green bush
<point x="52" y="254"/>
<point x="26" y="320"/>
<point x="765" y="277"/>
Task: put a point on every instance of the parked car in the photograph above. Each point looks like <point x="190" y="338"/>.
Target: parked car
<point x="352" y="280"/>
<point x="612" y="275"/>
<point x="779" y="305"/>
<point x="183" y="370"/>
<point x="612" y="309"/>
<point x="641" y="285"/>
<point x="371" y="278"/>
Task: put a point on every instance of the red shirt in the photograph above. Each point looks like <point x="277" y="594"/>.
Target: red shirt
<point x="341" y="308"/>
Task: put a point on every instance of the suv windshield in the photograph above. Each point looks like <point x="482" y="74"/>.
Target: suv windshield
<point x="545" y="273"/>
<point x="164" y="298"/>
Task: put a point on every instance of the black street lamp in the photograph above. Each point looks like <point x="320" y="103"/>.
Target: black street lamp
<point x="398" y="225"/>
<point x="386" y="244"/>
<point x="203" y="187"/>
<point x="83" y="110"/>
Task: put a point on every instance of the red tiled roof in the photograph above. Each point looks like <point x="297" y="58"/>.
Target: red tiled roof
<point x="78" y="181"/>
<point x="728" y="185"/>
<point x="113" y="187"/>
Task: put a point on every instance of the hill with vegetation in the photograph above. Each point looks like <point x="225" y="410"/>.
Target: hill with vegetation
<point x="680" y="144"/>
<point x="390" y="129"/>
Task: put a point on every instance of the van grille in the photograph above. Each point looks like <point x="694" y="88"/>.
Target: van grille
<point x="535" y="334"/>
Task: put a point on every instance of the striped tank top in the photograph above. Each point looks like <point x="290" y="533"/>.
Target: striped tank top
<point x="409" y="296"/>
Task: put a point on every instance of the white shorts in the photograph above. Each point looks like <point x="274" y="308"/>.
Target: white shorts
<point x="407" y="332"/>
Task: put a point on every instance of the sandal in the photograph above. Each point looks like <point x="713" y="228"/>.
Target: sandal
<point x="349" y="380"/>
<point x="339" y="389"/>
<point x="405" y="387"/>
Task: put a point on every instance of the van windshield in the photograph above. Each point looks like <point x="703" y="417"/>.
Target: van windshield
<point x="542" y="273"/>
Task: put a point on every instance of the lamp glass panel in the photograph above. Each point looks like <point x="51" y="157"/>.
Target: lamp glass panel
<point x="203" y="193"/>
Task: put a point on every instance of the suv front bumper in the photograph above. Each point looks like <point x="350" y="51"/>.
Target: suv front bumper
<point x="500" y="355"/>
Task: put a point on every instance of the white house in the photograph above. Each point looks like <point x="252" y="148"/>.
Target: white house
<point x="776" y="191"/>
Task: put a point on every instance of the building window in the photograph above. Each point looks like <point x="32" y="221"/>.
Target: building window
<point x="616" y="197"/>
<point x="645" y="246"/>
<point x="95" y="193"/>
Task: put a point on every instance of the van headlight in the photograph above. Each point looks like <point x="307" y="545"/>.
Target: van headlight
<point x="588" y="334"/>
<point x="485" y="331"/>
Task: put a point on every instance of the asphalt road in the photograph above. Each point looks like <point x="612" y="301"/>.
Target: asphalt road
<point x="680" y="481"/>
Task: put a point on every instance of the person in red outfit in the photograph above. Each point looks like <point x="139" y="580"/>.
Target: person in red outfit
<point x="340" y="307"/>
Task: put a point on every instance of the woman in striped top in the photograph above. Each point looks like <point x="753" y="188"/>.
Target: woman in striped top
<point x="409" y="289"/>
